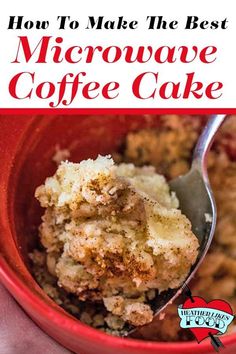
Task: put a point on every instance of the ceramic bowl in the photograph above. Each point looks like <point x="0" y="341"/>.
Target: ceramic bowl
<point x="27" y="145"/>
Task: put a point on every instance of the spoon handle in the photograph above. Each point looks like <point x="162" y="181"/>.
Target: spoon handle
<point x="205" y="141"/>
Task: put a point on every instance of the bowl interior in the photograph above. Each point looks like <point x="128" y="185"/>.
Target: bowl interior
<point x="85" y="137"/>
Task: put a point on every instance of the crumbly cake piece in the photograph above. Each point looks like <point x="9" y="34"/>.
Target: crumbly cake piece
<point x="113" y="233"/>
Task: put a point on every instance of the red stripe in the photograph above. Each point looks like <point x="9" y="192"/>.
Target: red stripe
<point x="82" y="111"/>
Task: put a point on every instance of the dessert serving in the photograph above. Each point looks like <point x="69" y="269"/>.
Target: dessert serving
<point x="112" y="236"/>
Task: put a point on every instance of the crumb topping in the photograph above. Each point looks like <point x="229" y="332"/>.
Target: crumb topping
<point x="114" y="234"/>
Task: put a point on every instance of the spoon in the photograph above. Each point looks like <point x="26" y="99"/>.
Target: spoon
<point x="197" y="203"/>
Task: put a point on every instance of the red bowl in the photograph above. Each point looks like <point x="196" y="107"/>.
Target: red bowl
<point x="27" y="145"/>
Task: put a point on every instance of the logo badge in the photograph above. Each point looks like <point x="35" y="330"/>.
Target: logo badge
<point x="206" y="319"/>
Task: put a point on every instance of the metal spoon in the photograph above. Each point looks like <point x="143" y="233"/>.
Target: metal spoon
<point x="197" y="203"/>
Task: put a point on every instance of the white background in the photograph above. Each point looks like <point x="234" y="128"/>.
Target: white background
<point x="223" y="69"/>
